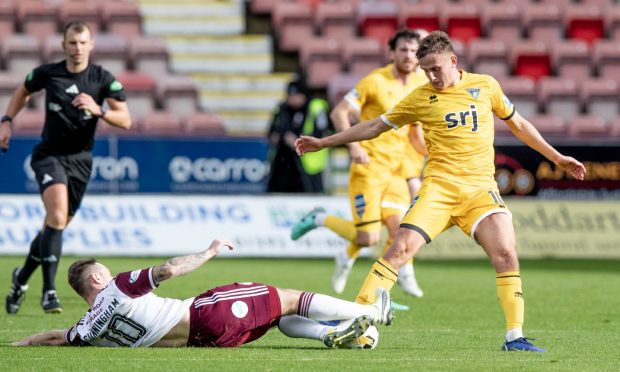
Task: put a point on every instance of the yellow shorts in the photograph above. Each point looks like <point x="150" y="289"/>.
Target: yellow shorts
<point x="441" y="203"/>
<point x="413" y="163"/>
<point x="376" y="193"/>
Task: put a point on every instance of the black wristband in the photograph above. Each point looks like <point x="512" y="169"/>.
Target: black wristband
<point x="6" y="118"/>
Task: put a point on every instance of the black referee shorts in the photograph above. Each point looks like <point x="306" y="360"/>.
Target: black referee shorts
<point x="72" y="170"/>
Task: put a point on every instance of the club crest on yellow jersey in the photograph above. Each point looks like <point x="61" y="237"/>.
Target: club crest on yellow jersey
<point x="454" y="119"/>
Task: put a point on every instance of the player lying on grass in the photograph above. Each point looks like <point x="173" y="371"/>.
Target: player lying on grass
<point x="124" y="311"/>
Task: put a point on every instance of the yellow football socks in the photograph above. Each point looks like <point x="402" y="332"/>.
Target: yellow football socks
<point x="381" y="275"/>
<point x="510" y="297"/>
<point x="353" y="251"/>
<point x="342" y="227"/>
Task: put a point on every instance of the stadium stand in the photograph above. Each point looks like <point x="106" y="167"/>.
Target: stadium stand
<point x="37" y="18"/>
<point x="502" y="21"/>
<point x="122" y="17"/>
<point x="320" y="58"/>
<point x="571" y="58"/>
<point x="462" y="21"/>
<point x="336" y="20"/>
<point x="489" y="56"/>
<point x="522" y="93"/>
<point x="600" y="96"/>
<point x="177" y="94"/>
<point x="28" y="122"/>
<point x="560" y="97"/>
<point x="140" y="90"/>
<point x="584" y="22"/>
<point x="588" y="126"/>
<point x="204" y="124"/>
<point x="378" y="20"/>
<point x="362" y="55"/>
<point x="543" y="22"/>
<point x="607" y="59"/>
<point x="420" y="15"/>
<point x="7" y="17"/>
<point x="160" y="123"/>
<point x="21" y="53"/>
<point x="85" y="10"/>
<point x="111" y="51"/>
<point x="531" y="58"/>
<point x="294" y="24"/>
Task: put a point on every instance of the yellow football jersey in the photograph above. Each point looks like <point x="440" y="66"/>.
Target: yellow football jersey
<point x="375" y="94"/>
<point x="457" y="124"/>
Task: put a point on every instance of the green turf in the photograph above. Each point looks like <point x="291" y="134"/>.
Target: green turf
<point x="572" y="309"/>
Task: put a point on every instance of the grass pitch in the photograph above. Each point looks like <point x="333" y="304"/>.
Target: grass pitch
<point x="572" y="308"/>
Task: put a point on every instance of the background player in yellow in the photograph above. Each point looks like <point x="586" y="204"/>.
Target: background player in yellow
<point x="377" y="189"/>
<point x="455" y="110"/>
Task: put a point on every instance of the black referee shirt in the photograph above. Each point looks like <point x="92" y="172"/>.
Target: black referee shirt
<point x="67" y="129"/>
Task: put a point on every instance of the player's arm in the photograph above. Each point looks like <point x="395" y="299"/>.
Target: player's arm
<point x="340" y="118"/>
<point x="117" y="115"/>
<point x="416" y="137"/>
<point x="18" y="100"/>
<point x="182" y="265"/>
<point x="526" y="132"/>
<point x="55" y="337"/>
<point x="360" y="132"/>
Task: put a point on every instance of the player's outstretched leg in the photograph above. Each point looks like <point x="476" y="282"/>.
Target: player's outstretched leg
<point x="321" y="307"/>
<point x="16" y="295"/>
<point x="521" y="344"/>
<point x="306" y="223"/>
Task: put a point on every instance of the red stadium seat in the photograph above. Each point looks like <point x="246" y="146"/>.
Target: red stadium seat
<point x="607" y="59"/>
<point x="149" y="55"/>
<point x="83" y="10"/>
<point x="601" y="97"/>
<point x="7" y="17"/>
<point x="489" y="57"/>
<point x="178" y="94"/>
<point x="140" y="90"/>
<point x="29" y="122"/>
<point x="378" y="20"/>
<point x="572" y="59"/>
<point x="424" y="16"/>
<point x="584" y="126"/>
<point x="550" y="125"/>
<point x="336" y="20"/>
<point x="462" y="21"/>
<point x="340" y="85"/>
<point x="110" y="51"/>
<point x="122" y="17"/>
<point x="37" y="18"/>
<point x="21" y="53"/>
<point x="584" y="22"/>
<point x="531" y="58"/>
<point x="204" y="124"/>
<point x="560" y="96"/>
<point x="293" y="24"/>
<point x="362" y="55"/>
<point x="161" y="123"/>
<point x="522" y="93"/>
<point x="543" y="22"/>
<point x="320" y="59"/>
<point x="502" y="21"/>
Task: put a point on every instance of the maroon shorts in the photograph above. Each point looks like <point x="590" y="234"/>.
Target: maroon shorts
<point x="233" y="314"/>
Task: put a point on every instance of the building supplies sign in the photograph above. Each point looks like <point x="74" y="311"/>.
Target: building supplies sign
<point x="260" y="226"/>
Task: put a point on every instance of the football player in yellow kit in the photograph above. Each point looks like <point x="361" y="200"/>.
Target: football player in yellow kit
<point x="455" y="110"/>
<point x="377" y="189"/>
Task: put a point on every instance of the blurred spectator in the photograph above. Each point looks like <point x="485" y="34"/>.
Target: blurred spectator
<point x="299" y="114"/>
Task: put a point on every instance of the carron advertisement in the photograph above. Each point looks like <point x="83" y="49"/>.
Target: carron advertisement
<point x="130" y="165"/>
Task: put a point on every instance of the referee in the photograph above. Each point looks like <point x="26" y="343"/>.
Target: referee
<point x="62" y="161"/>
